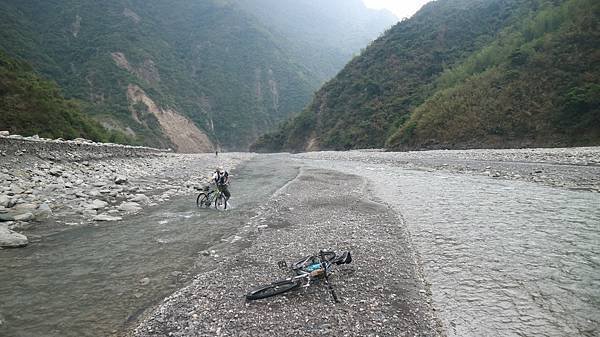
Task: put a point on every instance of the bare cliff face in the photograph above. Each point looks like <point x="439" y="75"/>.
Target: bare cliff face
<point x="181" y="131"/>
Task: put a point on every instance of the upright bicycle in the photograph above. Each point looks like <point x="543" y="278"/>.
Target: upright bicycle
<point x="208" y="197"/>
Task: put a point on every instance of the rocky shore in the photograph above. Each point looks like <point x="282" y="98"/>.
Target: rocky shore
<point x="573" y="168"/>
<point x="78" y="182"/>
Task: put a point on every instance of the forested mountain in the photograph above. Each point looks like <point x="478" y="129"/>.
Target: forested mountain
<point x="33" y="105"/>
<point x="189" y="74"/>
<point x="463" y="74"/>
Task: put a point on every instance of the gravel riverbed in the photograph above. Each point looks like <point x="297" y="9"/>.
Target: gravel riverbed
<point x="574" y="168"/>
<point x="382" y="292"/>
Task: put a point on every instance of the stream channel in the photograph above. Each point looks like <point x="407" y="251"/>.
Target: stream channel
<point x="95" y="280"/>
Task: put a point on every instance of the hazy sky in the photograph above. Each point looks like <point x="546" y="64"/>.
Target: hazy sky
<point x="402" y="8"/>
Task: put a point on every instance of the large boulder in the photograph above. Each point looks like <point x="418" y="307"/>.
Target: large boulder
<point x="11" y="239"/>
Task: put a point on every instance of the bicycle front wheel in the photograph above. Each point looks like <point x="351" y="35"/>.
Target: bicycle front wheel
<point x="272" y="289"/>
<point x="221" y="202"/>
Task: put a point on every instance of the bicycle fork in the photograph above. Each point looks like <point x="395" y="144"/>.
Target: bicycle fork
<point x="326" y="278"/>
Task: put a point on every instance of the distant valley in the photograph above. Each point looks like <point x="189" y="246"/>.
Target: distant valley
<point x="190" y="75"/>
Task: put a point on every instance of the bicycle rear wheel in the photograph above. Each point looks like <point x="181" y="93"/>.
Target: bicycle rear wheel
<point x="201" y="200"/>
<point x="275" y="288"/>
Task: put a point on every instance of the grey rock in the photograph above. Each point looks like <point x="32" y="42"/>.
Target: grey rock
<point x="119" y="180"/>
<point x="141" y="199"/>
<point x="89" y="212"/>
<point x="12" y="239"/>
<point x="97" y="204"/>
<point x="104" y="217"/>
<point x="4" y="200"/>
<point x="24" y="208"/>
<point x="129" y="207"/>
<point x="55" y="171"/>
<point x="145" y="281"/>
<point x="24" y="217"/>
<point x="43" y="211"/>
<point x="4" y="133"/>
<point x="6" y="217"/>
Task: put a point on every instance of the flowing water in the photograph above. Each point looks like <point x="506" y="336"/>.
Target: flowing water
<point x="93" y="280"/>
<point x="504" y="258"/>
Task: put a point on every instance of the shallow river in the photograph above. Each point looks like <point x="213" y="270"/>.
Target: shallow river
<point x="504" y="258"/>
<point x="93" y="280"/>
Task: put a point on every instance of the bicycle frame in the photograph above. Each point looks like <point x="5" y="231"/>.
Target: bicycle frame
<point x="322" y="272"/>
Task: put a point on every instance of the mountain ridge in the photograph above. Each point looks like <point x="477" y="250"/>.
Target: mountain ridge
<point x="371" y="103"/>
<point x="210" y="61"/>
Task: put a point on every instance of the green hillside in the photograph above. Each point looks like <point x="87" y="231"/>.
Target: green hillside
<point x="538" y="84"/>
<point x="31" y="105"/>
<point x="211" y="61"/>
<point x="462" y="73"/>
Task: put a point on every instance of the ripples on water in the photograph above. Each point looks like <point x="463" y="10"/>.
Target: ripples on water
<point x="505" y="258"/>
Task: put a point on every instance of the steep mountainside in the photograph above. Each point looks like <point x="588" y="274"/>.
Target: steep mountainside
<point x="208" y="67"/>
<point x="323" y="35"/>
<point x="462" y="73"/>
<point x="32" y="105"/>
<point x="537" y="85"/>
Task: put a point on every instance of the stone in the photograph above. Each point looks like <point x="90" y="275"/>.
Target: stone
<point x="55" y="171"/>
<point x="24" y="217"/>
<point x="4" y="133"/>
<point x="97" y="204"/>
<point x="4" y="200"/>
<point x="141" y="199"/>
<point x="129" y="207"/>
<point x="89" y="212"/>
<point x="12" y="239"/>
<point x="43" y="211"/>
<point x="24" y="208"/>
<point x="120" y="180"/>
<point x="104" y="217"/>
<point x="145" y="281"/>
<point x="14" y="190"/>
<point x="6" y="217"/>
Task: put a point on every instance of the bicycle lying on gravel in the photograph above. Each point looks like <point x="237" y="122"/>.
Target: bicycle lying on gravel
<point x="208" y="197"/>
<point x="306" y="270"/>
